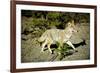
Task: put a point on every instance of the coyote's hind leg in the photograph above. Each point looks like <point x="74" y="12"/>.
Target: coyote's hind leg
<point x="43" y="45"/>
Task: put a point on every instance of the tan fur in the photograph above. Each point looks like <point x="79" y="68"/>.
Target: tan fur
<point x="52" y="36"/>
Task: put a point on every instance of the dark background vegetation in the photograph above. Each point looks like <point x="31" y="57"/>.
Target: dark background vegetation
<point x="33" y="25"/>
<point x="54" y="19"/>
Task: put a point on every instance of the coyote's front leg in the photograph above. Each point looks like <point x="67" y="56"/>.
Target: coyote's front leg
<point x="60" y="45"/>
<point x="70" y="44"/>
<point x="49" y="48"/>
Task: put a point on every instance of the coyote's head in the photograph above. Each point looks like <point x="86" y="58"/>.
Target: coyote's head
<point x="71" y="26"/>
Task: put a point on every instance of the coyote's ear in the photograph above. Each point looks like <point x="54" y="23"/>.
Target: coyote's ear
<point x="71" y="23"/>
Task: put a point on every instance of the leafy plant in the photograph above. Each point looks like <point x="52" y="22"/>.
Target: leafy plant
<point x="62" y="51"/>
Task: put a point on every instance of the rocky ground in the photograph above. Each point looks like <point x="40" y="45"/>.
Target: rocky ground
<point x="30" y="49"/>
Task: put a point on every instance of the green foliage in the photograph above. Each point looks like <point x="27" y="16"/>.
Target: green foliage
<point x="53" y="15"/>
<point x="62" y="50"/>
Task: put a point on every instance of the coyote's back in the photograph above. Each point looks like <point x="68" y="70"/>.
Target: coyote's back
<point x="51" y="33"/>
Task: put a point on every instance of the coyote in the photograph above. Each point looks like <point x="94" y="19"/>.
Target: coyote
<point x="53" y="36"/>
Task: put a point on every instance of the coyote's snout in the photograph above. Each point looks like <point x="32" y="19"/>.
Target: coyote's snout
<point x="52" y="36"/>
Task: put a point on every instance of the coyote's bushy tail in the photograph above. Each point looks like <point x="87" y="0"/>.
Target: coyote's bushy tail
<point x="43" y="37"/>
